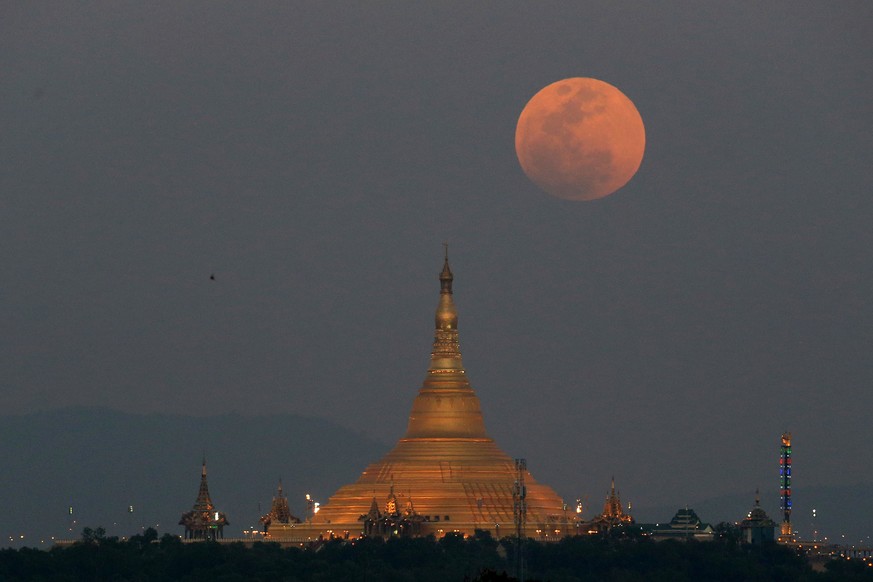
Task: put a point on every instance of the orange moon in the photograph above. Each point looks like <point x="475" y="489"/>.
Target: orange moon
<point x="580" y="139"/>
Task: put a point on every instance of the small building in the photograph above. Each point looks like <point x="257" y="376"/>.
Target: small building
<point x="204" y="522"/>
<point x="612" y="514"/>
<point x="279" y="511"/>
<point x="757" y="528"/>
<point x="392" y="522"/>
<point x="685" y="525"/>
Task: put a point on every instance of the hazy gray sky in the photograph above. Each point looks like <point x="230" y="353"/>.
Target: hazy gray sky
<point x="315" y="156"/>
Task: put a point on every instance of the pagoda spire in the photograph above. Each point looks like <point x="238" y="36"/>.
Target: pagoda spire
<point x="446" y="354"/>
<point x="446" y="276"/>
<point x="203" y="503"/>
<point x="446" y="405"/>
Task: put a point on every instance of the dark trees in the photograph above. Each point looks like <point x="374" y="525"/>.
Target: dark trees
<point x="480" y="558"/>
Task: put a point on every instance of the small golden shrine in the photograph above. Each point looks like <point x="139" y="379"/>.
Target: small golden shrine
<point x="279" y="511"/>
<point x="392" y="522"/>
<point x="612" y="514"/>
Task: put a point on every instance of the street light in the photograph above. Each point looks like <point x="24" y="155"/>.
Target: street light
<point x="314" y="506"/>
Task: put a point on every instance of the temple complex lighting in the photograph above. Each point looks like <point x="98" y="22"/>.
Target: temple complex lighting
<point x="460" y="480"/>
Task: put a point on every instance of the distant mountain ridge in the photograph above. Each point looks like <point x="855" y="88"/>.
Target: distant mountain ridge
<point x="101" y="462"/>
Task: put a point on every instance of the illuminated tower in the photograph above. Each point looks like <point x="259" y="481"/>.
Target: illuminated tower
<point x="785" y="487"/>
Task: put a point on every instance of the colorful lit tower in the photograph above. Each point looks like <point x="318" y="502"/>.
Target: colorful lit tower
<point x="785" y="487"/>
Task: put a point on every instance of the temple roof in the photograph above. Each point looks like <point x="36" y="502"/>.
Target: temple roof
<point x="203" y="502"/>
<point x="612" y="511"/>
<point x="279" y="510"/>
<point x="757" y="517"/>
<point x="687" y="519"/>
<point x="203" y="515"/>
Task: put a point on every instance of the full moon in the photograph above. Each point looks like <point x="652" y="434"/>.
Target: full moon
<point x="580" y="139"/>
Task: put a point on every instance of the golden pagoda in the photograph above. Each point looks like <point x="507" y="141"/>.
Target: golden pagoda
<point x="458" y="478"/>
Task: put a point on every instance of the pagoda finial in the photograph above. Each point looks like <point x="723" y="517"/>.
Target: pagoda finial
<point x="446" y="276"/>
<point x="446" y="353"/>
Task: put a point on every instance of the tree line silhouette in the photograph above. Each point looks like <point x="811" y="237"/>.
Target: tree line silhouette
<point x="617" y="556"/>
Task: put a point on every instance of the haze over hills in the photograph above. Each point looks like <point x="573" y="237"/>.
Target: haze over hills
<point x="100" y="462"/>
